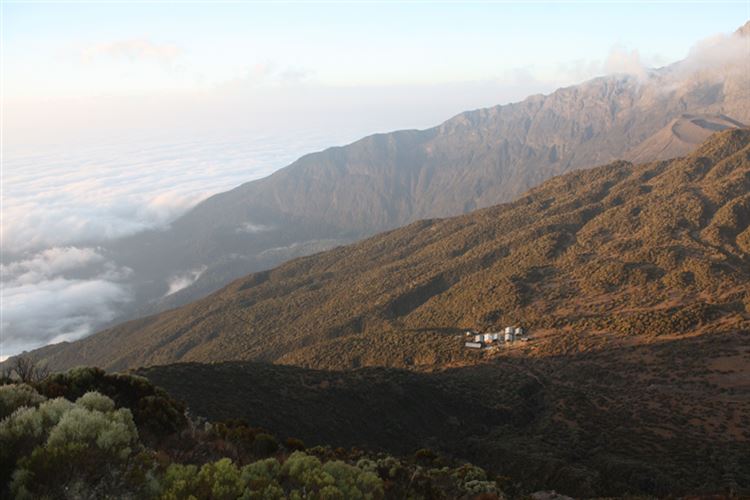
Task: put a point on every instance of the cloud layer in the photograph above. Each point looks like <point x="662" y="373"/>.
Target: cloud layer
<point x="61" y="293"/>
<point x="56" y="285"/>
<point x="96" y="194"/>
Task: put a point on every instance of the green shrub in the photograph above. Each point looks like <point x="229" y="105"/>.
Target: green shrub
<point x="112" y="431"/>
<point x="220" y="480"/>
<point x="354" y="482"/>
<point x="14" y="396"/>
<point x="261" y="473"/>
<point x="156" y="415"/>
<point x="96" y="402"/>
<point x="334" y="479"/>
<point x="83" y="447"/>
<point x="179" y="482"/>
<point x="265" y="445"/>
<point x="26" y="428"/>
<point x="294" y="444"/>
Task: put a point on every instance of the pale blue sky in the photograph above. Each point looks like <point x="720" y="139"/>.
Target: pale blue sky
<point x="63" y="59"/>
<point x="347" y="43"/>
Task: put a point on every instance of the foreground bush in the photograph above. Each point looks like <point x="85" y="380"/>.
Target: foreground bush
<point x="301" y="476"/>
<point x="155" y="413"/>
<point x="59" y="446"/>
<point x="72" y="442"/>
<point x="14" y="396"/>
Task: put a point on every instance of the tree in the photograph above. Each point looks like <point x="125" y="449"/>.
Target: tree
<point x="28" y="370"/>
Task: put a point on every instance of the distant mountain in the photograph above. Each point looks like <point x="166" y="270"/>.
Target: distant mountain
<point x="474" y="160"/>
<point x="614" y="255"/>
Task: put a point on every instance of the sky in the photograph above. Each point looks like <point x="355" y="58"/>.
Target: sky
<point x="120" y="116"/>
<point x="102" y="69"/>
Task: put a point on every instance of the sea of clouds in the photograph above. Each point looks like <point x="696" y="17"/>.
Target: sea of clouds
<point x="59" y="206"/>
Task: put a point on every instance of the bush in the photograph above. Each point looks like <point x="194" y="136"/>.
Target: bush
<point x="220" y="480"/>
<point x="294" y="444"/>
<point x="91" y="448"/>
<point x="96" y="402"/>
<point x="82" y="447"/>
<point x="179" y="481"/>
<point x="14" y="396"/>
<point x="259" y="474"/>
<point x="265" y="445"/>
<point x="113" y="432"/>
<point x="334" y="479"/>
<point x="155" y="413"/>
<point x="25" y="429"/>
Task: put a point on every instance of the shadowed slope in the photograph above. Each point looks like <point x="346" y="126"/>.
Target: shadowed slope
<point x="669" y="416"/>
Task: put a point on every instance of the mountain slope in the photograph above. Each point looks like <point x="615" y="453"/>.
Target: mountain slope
<point x="608" y="256"/>
<point x="474" y="160"/>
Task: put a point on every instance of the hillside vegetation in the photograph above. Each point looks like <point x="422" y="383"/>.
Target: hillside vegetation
<point x="612" y="256"/>
<point x="89" y="434"/>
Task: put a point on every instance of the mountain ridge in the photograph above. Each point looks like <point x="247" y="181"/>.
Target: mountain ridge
<point x="672" y="251"/>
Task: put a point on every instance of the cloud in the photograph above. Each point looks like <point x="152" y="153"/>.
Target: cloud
<point x="47" y="264"/>
<point x="623" y="61"/>
<point x="714" y="58"/>
<point x="250" y="228"/>
<point x="268" y="73"/>
<point x="717" y="53"/>
<point x="58" y="294"/>
<point x="56" y="284"/>
<point x="92" y="194"/>
<point x="182" y="281"/>
<point x="132" y="50"/>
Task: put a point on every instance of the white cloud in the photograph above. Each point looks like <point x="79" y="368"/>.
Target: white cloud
<point x="250" y="228"/>
<point x="271" y="72"/>
<point x="56" y="206"/>
<point x="718" y="52"/>
<point x="47" y="264"/>
<point x="623" y="61"/>
<point x="177" y="283"/>
<point x="135" y="49"/>
<point x="711" y="58"/>
<point x="94" y="194"/>
<point x="58" y="294"/>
